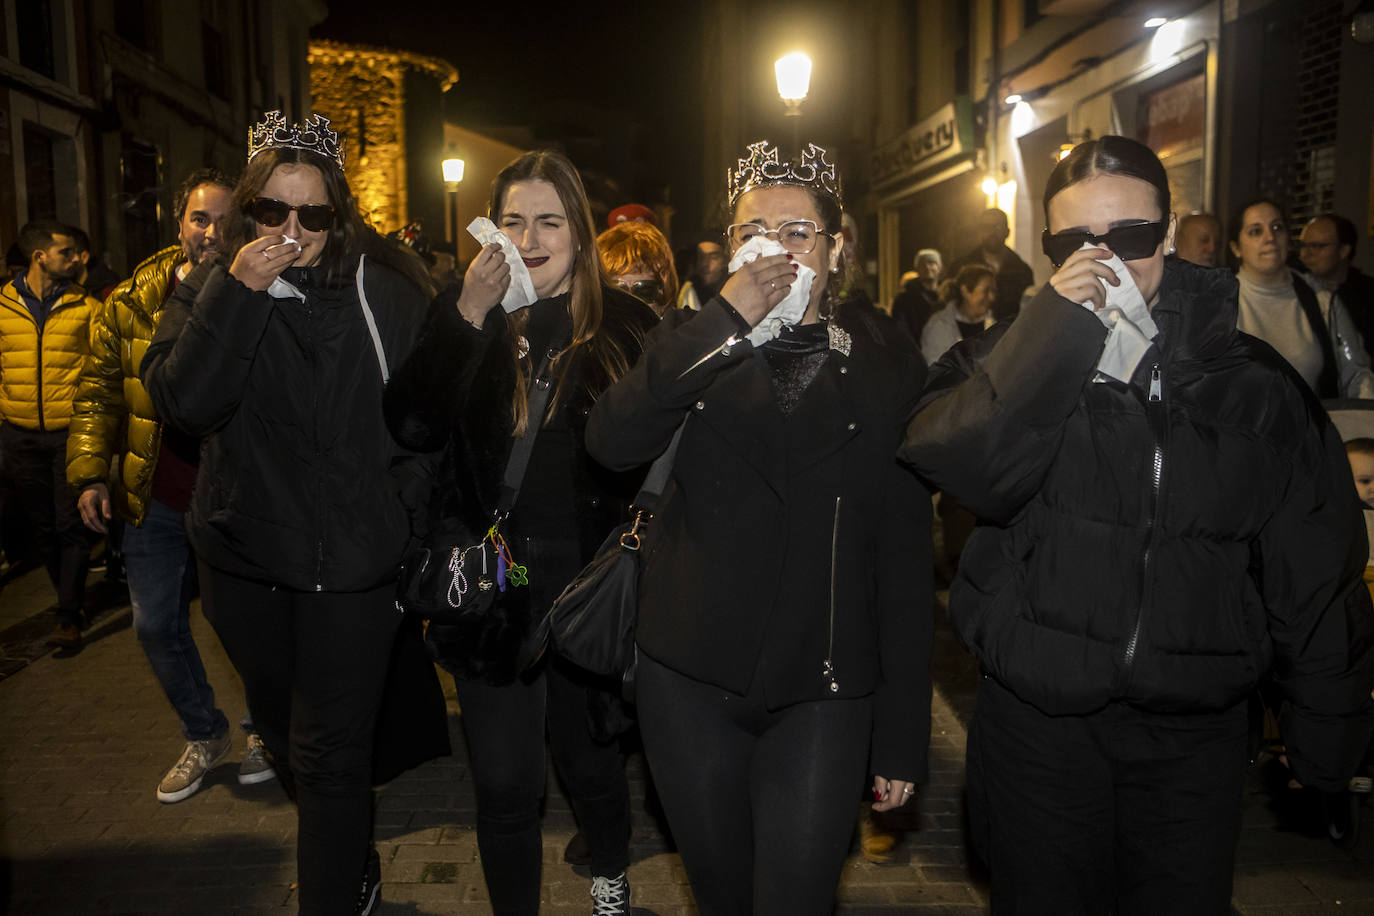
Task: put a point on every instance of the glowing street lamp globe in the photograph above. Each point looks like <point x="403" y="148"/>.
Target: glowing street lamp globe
<point x="453" y="170"/>
<point x="794" y="79"/>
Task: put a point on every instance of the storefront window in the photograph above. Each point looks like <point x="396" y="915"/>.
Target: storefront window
<point x="1172" y="121"/>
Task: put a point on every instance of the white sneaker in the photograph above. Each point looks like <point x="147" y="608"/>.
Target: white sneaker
<point x="611" y="896"/>
<point x="255" y="767"/>
<point x="200" y="757"/>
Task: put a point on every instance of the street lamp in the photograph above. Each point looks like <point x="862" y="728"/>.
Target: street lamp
<point x="453" y="173"/>
<point x="794" y="79"/>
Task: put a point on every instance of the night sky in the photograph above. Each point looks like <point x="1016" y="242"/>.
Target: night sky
<point x="606" y="82"/>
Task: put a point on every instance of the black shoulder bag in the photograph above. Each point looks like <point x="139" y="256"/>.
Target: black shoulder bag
<point x="592" y="623"/>
<point x="467" y="584"/>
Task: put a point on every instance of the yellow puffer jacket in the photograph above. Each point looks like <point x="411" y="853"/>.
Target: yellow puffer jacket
<point x="112" y="407"/>
<point x="39" y="371"/>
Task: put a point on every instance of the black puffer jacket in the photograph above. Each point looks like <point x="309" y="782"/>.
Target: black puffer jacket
<point x="300" y="483"/>
<point x="1160" y="543"/>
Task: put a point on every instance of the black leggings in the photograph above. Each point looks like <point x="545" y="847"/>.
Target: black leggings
<point x="313" y="666"/>
<point x="761" y="803"/>
<point x="505" y="735"/>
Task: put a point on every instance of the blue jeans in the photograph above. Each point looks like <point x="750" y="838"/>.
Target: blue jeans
<point x="157" y="559"/>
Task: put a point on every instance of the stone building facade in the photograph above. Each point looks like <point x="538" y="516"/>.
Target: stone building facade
<point x="387" y="104"/>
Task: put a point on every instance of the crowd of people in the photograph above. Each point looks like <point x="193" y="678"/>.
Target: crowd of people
<point x="1146" y="514"/>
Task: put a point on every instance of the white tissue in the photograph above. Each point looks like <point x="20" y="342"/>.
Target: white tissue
<point x="793" y="306"/>
<point x="1128" y="321"/>
<point x="520" y="293"/>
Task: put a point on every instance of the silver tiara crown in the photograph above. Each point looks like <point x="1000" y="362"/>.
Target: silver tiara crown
<point x="763" y="167"/>
<point x="315" y="135"/>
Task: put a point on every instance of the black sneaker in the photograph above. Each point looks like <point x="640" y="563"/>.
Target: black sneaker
<point x="611" y="896"/>
<point x="371" y="893"/>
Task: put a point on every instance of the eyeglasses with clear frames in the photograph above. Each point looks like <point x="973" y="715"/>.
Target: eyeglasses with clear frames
<point x="797" y="236"/>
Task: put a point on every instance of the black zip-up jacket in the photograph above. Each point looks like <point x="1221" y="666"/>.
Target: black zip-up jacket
<point x="782" y="541"/>
<point x="1164" y="543"/>
<point x="300" y="482"/>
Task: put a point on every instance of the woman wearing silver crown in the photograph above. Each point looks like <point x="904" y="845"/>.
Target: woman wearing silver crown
<point x="278" y="358"/>
<point x="785" y="627"/>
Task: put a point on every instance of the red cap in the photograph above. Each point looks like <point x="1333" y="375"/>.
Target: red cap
<point x="630" y="213"/>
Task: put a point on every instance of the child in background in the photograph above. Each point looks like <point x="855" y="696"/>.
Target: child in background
<point x="1360" y="453"/>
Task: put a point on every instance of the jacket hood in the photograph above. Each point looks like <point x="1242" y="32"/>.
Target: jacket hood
<point x="1197" y="309"/>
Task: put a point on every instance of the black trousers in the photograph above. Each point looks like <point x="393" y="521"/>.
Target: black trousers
<point x="35" y="464"/>
<point x="313" y="666"/>
<point x="1122" y="811"/>
<point x="505" y="735"/>
<point x="761" y="803"/>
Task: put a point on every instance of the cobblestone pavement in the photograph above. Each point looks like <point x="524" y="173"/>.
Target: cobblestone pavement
<point x="85" y="736"/>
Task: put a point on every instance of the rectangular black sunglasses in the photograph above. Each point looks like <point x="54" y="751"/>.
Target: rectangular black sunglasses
<point x="270" y="212"/>
<point x="1129" y="243"/>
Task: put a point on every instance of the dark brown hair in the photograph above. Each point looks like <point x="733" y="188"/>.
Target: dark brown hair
<point x="349" y="236"/>
<point x="1109" y="155"/>
<point x="208" y="175"/>
<point x="968" y="277"/>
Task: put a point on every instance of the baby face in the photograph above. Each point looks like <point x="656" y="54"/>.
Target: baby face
<point x="1362" y="466"/>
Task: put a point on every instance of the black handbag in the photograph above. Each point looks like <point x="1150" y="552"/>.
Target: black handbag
<point x="592" y="622"/>
<point x="467" y="584"/>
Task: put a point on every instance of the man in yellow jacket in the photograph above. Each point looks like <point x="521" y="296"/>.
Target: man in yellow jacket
<point x="152" y="489"/>
<point x="44" y="326"/>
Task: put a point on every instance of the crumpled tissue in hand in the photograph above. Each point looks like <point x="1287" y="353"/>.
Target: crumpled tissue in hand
<point x="520" y="293"/>
<point x="1128" y="321"/>
<point x="793" y="306"/>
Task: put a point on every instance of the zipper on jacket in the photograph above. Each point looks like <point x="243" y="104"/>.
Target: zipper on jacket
<point x="1154" y="413"/>
<point x="828" y="666"/>
<point x="42" y="427"/>
<point x="315" y="435"/>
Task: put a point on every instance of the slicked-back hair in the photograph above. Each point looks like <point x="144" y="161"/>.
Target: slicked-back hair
<point x="1110" y="155"/>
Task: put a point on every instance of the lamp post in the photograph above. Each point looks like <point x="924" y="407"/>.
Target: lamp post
<point x="793" y="72"/>
<point x="453" y="173"/>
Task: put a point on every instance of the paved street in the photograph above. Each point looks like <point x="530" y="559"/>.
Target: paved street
<point x="85" y="736"/>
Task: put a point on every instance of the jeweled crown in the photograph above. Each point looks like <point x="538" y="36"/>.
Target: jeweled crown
<point x="315" y="135"/>
<point x="763" y="167"/>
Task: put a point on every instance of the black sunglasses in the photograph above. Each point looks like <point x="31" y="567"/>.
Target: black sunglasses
<point x="645" y="290"/>
<point x="271" y="213"/>
<point x="1129" y="243"/>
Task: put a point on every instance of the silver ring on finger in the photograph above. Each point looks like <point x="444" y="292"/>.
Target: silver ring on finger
<point x="774" y="285"/>
<point x="266" y="256"/>
<point x="907" y="790"/>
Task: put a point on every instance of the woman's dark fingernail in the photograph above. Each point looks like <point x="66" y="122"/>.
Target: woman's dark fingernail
<point x="789" y="256"/>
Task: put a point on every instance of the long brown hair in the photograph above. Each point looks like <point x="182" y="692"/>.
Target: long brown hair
<point x="349" y="236"/>
<point x="585" y="301"/>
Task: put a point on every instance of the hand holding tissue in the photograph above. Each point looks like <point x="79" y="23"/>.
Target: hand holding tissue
<point x="1128" y="322"/>
<point x="520" y="293"/>
<point x="793" y="306"/>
